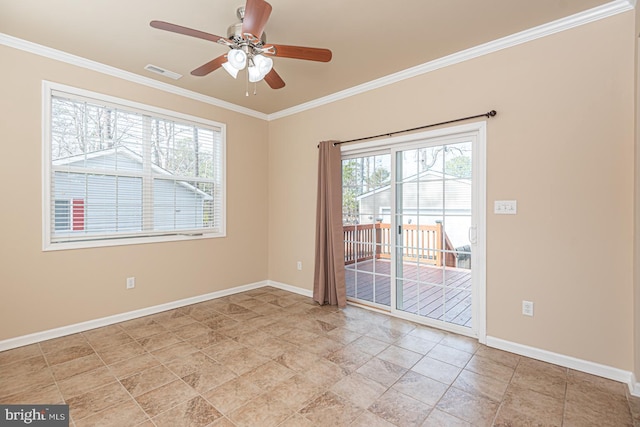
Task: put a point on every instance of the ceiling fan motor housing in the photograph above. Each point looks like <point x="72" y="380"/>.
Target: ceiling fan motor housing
<point x="234" y="31"/>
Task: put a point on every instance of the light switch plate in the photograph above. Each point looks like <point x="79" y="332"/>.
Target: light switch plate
<point x="505" y="207"/>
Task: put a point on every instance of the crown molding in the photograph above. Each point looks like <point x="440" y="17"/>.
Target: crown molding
<point x="78" y="61"/>
<point x="601" y="12"/>
<point x="606" y="10"/>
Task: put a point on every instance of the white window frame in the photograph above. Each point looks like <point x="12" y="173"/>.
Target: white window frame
<point x="48" y="88"/>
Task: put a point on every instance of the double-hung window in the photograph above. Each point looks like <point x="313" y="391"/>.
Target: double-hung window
<point x="119" y="172"/>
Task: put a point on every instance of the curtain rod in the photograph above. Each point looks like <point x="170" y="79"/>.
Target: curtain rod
<point x="489" y="114"/>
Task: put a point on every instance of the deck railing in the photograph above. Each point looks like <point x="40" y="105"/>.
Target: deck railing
<point x="364" y="242"/>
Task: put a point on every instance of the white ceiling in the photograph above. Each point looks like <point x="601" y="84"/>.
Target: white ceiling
<point x="369" y="39"/>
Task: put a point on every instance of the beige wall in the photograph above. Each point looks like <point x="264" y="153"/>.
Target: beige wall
<point x="562" y="145"/>
<point x="44" y="290"/>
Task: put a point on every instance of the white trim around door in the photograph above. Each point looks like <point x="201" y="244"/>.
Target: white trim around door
<point x="476" y="133"/>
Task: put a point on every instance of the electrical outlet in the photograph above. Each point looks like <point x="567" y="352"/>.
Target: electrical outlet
<point x="299" y="265"/>
<point x="527" y="308"/>
<point x="131" y="282"/>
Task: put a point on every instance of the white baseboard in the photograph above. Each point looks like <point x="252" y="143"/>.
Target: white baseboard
<point x="593" y="368"/>
<point x="293" y="289"/>
<point x="521" y="349"/>
<point x="635" y="390"/>
<point x="117" y="318"/>
<point x="600" y="370"/>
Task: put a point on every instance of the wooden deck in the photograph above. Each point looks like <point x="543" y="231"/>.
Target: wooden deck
<point x="442" y="293"/>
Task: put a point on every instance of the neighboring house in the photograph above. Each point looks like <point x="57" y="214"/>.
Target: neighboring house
<point x="423" y="202"/>
<point x="93" y="203"/>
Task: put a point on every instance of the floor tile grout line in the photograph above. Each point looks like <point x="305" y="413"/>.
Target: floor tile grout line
<point x="199" y="393"/>
<point x="343" y="344"/>
<point x="149" y="418"/>
<point x="182" y="340"/>
<point x="501" y="403"/>
<point x="116" y="378"/>
<point x="450" y="385"/>
<point x="55" y="381"/>
<point x="564" y="400"/>
<point x="163" y="363"/>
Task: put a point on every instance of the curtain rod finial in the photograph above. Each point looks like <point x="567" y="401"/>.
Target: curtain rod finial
<point x="491" y="113"/>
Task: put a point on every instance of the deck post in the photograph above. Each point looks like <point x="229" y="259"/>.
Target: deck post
<point x="438" y="244"/>
<point x="378" y="231"/>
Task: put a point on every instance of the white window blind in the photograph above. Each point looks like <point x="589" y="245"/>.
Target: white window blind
<point x="118" y="172"/>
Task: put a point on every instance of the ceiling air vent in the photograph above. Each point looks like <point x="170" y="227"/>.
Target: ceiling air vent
<point x="162" y="71"/>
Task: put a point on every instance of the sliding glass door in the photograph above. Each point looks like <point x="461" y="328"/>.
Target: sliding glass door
<point x="411" y="216"/>
<point x="434" y="221"/>
<point x="366" y="197"/>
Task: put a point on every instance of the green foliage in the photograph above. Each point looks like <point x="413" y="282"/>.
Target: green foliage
<point x="360" y="176"/>
<point x="459" y="166"/>
<point x="379" y="178"/>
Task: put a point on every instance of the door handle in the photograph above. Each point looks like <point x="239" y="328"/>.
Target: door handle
<point x="473" y="234"/>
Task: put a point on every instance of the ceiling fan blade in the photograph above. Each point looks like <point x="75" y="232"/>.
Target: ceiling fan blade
<point x="256" y="15"/>
<point x="161" y="25"/>
<point x="210" y="66"/>
<point x="274" y="80"/>
<point x="300" y="52"/>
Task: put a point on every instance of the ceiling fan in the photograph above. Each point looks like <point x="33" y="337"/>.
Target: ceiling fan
<point x="249" y="47"/>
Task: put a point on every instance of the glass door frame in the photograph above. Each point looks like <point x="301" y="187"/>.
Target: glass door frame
<point x="476" y="133"/>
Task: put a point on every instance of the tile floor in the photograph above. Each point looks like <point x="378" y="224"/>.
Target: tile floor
<point x="272" y="358"/>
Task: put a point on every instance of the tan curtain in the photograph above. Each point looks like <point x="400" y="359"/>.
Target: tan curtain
<point x="328" y="283"/>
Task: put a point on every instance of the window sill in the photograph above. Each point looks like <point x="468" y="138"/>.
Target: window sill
<point x="62" y="246"/>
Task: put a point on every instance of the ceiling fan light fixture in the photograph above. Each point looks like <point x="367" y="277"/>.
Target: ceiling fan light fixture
<point x="264" y="64"/>
<point x="237" y="59"/>
<point x="259" y="67"/>
<point x="233" y="72"/>
<point x="254" y="74"/>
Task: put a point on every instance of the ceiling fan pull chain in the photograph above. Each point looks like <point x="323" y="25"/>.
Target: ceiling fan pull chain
<point x="255" y="88"/>
<point x="247" y="86"/>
